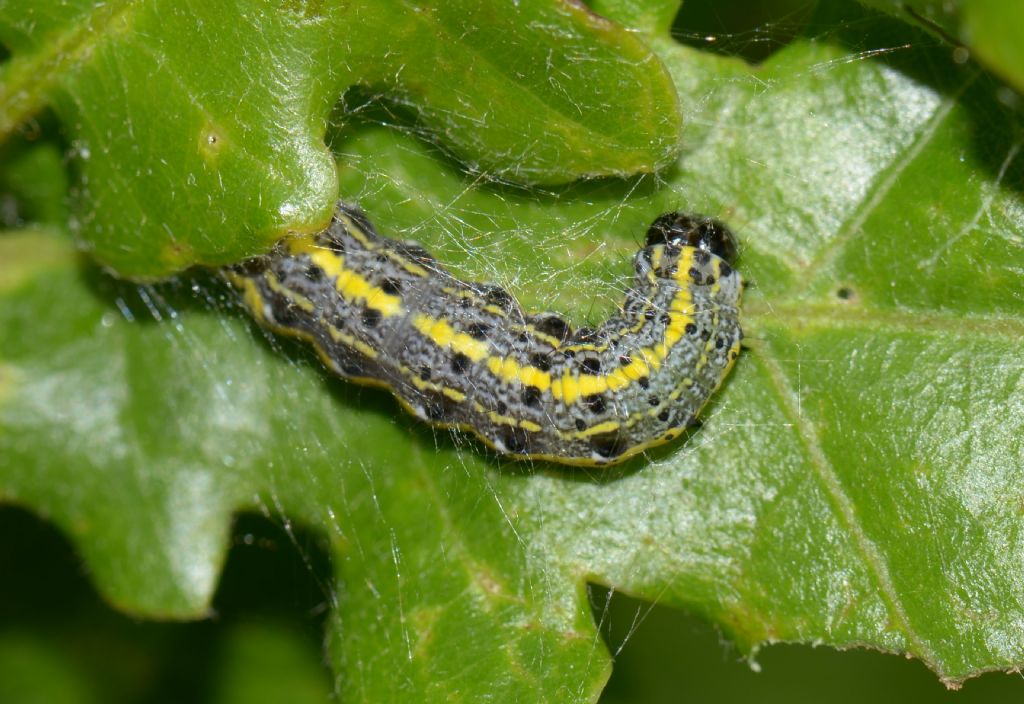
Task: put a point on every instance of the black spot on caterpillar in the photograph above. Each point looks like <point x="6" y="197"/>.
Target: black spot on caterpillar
<point x="465" y="355"/>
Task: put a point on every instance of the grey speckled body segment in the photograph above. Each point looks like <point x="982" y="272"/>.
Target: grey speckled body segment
<point x="466" y="355"/>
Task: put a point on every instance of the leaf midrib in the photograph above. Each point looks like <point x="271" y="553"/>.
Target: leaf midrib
<point x="820" y="267"/>
<point x="843" y="506"/>
<point x="793" y="312"/>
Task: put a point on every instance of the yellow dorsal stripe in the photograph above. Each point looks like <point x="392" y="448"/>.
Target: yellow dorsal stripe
<point x="684" y="265"/>
<point x="355" y="230"/>
<point x="352" y="286"/>
<point x="442" y="334"/>
<point x="568" y="388"/>
<point x="509" y="370"/>
<point x="624" y="376"/>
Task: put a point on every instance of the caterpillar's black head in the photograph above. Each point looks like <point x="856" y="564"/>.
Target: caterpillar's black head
<point x="697" y="231"/>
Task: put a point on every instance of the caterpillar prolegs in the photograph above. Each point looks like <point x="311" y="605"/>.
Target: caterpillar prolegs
<point x="463" y="354"/>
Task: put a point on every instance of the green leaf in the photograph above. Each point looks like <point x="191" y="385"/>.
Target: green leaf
<point x="266" y="664"/>
<point x="31" y="673"/>
<point x="990" y="30"/>
<point x="35" y="182"/>
<point x="855" y="483"/>
<point x="197" y="128"/>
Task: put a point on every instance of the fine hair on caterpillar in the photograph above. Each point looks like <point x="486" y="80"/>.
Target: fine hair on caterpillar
<point x="464" y="354"/>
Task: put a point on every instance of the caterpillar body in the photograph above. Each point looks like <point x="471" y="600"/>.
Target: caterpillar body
<point x="465" y="355"/>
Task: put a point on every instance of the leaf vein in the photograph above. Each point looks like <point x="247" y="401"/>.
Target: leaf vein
<point x="873" y="556"/>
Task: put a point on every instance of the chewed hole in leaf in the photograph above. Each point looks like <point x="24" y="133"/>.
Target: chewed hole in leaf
<point x="846" y="293"/>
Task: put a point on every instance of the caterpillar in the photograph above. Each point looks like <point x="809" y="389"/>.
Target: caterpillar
<point x="464" y="355"/>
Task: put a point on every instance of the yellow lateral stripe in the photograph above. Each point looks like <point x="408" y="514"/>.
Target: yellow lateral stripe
<point x="550" y="339"/>
<point x="365" y="349"/>
<point x="453" y="394"/>
<point x="500" y="419"/>
<point x="442" y="334"/>
<point x="346" y="339"/>
<point x="411" y="266"/>
<point x="298" y="299"/>
<point x="251" y="296"/>
<point x="606" y="427"/>
<point x="680" y="299"/>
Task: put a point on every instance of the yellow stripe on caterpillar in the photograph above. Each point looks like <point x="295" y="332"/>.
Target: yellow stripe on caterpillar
<point x="464" y="355"/>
